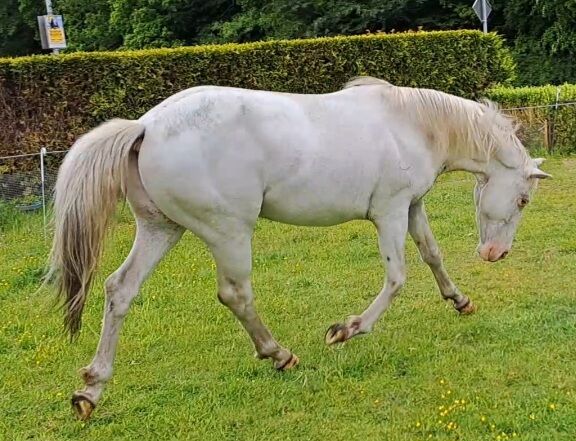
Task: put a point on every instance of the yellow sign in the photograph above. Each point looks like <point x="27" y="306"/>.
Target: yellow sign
<point x="56" y="36"/>
<point x="52" y="32"/>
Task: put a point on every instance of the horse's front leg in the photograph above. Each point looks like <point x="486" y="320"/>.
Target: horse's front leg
<point x="392" y="228"/>
<point x="424" y="239"/>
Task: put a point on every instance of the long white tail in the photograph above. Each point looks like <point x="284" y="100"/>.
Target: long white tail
<point x="90" y="182"/>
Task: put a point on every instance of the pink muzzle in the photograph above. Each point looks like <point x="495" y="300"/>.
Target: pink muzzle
<point x="493" y="252"/>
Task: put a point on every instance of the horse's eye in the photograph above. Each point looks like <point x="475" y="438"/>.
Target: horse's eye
<point x="523" y="201"/>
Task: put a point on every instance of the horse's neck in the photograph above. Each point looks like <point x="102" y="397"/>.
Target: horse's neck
<point x="461" y="162"/>
<point x="445" y="143"/>
<point x="447" y="156"/>
<point x="472" y="165"/>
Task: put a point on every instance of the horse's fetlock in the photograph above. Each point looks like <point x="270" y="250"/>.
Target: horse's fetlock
<point x="267" y="350"/>
<point x="93" y="375"/>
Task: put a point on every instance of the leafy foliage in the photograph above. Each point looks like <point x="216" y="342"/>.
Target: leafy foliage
<point x="545" y="40"/>
<point x="18" y="26"/>
<point x="48" y="101"/>
<point x="542" y="33"/>
<point x="88" y="25"/>
<point x="262" y="19"/>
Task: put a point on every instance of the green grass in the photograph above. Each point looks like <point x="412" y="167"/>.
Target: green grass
<point x="185" y="368"/>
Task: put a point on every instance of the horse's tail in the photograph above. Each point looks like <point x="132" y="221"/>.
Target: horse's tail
<point x="90" y="182"/>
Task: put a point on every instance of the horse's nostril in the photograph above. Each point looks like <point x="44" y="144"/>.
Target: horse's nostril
<point x="504" y="254"/>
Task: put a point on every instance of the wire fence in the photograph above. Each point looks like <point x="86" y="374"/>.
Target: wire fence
<point x="27" y="181"/>
<point x="550" y="128"/>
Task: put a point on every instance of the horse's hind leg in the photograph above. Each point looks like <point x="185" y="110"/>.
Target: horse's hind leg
<point x="233" y="257"/>
<point x="153" y="240"/>
<point x="155" y="235"/>
<point x="422" y="234"/>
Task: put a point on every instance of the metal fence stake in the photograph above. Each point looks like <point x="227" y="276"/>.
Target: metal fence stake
<point x="43" y="185"/>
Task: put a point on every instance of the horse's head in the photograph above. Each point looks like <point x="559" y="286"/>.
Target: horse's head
<point x="500" y="196"/>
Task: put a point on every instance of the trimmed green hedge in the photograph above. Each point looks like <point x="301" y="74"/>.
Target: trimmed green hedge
<point x="49" y="100"/>
<point x="549" y="127"/>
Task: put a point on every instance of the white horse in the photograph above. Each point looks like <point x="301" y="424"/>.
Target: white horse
<point x="214" y="159"/>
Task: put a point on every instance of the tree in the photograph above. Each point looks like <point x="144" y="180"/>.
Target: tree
<point x="87" y="25"/>
<point x="18" y="27"/>
<point x="166" y="23"/>
<point x="543" y="37"/>
<point x="260" y="19"/>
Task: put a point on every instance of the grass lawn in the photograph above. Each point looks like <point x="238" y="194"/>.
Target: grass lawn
<point x="185" y="368"/>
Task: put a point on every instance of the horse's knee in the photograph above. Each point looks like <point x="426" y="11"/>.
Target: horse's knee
<point x="113" y="283"/>
<point x="432" y="257"/>
<point x="225" y="296"/>
<point x="397" y="281"/>
<point x="230" y="297"/>
<point x="234" y="294"/>
<point x="118" y="295"/>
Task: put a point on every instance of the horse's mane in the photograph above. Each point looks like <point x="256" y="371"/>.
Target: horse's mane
<point x="477" y="129"/>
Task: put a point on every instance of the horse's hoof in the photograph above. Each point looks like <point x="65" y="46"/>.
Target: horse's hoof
<point x="289" y="364"/>
<point x="468" y="308"/>
<point x="82" y="406"/>
<point x="336" y="333"/>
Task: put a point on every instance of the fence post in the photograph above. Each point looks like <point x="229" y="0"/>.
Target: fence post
<point x="43" y="185"/>
<point x="552" y="132"/>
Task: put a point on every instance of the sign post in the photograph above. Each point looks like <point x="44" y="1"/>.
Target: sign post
<point x="483" y="8"/>
<point x="49" y="10"/>
<point x="51" y="30"/>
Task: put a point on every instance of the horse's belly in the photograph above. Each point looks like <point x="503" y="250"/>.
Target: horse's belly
<point x="313" y="208"/>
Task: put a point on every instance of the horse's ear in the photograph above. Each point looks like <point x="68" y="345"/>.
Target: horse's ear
<point x="536" y="173"/>
<point x="539" y="161"/>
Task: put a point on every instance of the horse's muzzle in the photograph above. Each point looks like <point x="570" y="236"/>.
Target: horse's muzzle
<point x="492" y="252"/>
